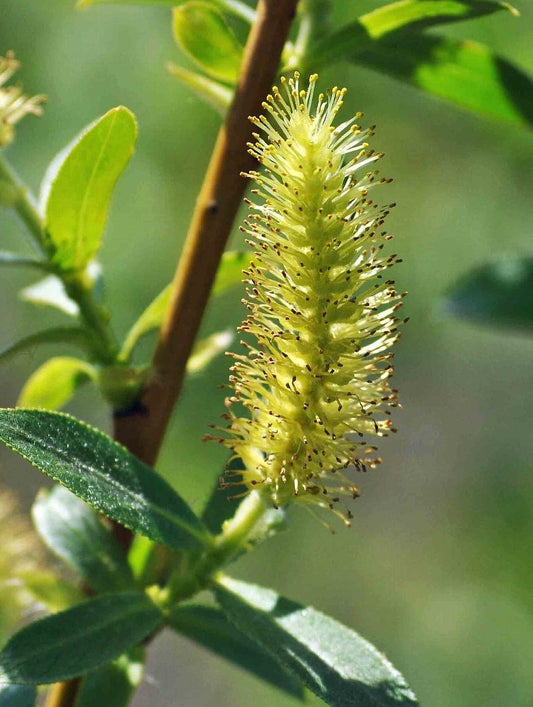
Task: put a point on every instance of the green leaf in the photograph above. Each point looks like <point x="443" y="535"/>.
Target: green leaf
<point x="230" y="271"/>
<point x="78" y="186"/>
<point x="76" y="534"/>
<point x="48" y="589"/>
<point x="17" y="696"/>
<point x="333" y="661"/>
<point x="215" y="94"/>
<point x="463" y="72"/>
<point x="7" y="258"/>
<point x="71" y="643"/>
<point x="55" y="382"/>
<point x="223" y="501"/>
<point x="233" y="7"/>
<point x="398" y="17"/>
<point x="140" y="558"/>
<point x="208" y="626"/>
<point x="113" y="684"/>
<point x="498" y="294"/>
<point x="203" y="34"/>
<point x="229" y="274"/>
<point x="50" y="292"/>
<point x="104" y="474"/>
<point x="64" y="335"/>
<point x="207" y="349"/>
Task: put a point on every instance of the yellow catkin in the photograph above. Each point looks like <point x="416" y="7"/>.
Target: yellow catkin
<point x="313" y="386"/>
<point x="14" y="105"/>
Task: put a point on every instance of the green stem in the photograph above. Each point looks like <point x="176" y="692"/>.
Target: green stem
<point x="23" y="203"/>
<point x="193" y="577"/>
<point x="77" y="284"/>
<point x="96" y="317"/>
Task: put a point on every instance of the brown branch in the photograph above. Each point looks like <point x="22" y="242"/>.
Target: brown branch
<point x="142" y="429"/>
<point x="63" y="694"/>
<point x="219" y="199"/>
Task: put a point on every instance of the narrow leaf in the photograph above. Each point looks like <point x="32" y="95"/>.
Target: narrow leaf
<point x="223" y="501"/>
<point x="113" y="684"/>
<point x="463" y="72"/>
<point x="230" y="270"/>
<point x="215" y="94"/>
<point x="75" y="533"/>
<point x="498" y="294"/>
<point x="406" y="15"/>
<point x="203" y="34"/>
<point x="17" y="696"/>
<point x="55" y="382"/>
<point x="7" y="258"/>
<point x="65" y="335"/>
<point x="49" y="590"/>
<point x="71" y="643"/>
<point x="207" y="349"/>
<point x="229" y="274"/>
<point x="50" y="292"/>
<point x="103" y="473"/>
<point x="78" y="186"/>
<point x="333" y="661"/>
<point x="208" y="626"/>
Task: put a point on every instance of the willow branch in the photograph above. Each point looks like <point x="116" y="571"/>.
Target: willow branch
<point x="142" y="431"/>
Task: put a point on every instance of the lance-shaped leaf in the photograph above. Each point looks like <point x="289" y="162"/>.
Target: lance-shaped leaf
<point x="17" y="695"/>
<point x="65" y="335"/>
<point x="54" y="383"/>
<point x="78" y="185"/>
<point x="113" y="684"/>
<point x="229" y="274"/>
<point x="204" y="35"/>
<point x="406" y="15"/>
<point x="75" y="533"/>
<point x="216" y="94"/>
<point x="498" y="294"/>
<point x="80" y="639"/>
<point x="333" y="661"/>
<point x="207" y="349"/>
<point x="49" y="590"/>
<point x="208" y="626"/>
<point x="463" y="72"/>
<point x="103" y="473"/>
<point x="223" y="501"/>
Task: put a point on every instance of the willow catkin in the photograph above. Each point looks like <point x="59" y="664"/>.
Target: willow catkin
<point x="314" y="384"/>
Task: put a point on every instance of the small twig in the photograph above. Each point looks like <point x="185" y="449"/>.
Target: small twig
<point x="143" y="430"/>
<point x="63" y="694"/>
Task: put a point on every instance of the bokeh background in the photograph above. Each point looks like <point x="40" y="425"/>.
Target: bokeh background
<point x="437" y="569"/>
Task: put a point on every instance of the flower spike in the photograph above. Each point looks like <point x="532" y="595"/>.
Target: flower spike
<point x="315" y="382"/>
<point x="14" y="105"/>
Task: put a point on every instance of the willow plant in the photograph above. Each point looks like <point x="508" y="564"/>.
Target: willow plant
<point x="306" y="400"/>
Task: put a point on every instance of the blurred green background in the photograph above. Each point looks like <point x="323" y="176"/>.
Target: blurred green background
<point x="437" y="568"/>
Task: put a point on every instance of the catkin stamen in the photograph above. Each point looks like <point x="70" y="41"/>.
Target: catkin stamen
<point x="315" y="383"/>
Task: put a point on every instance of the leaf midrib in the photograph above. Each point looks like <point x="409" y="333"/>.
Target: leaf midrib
<point x="95" y="626"/>
<point x="78" y="241"/>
